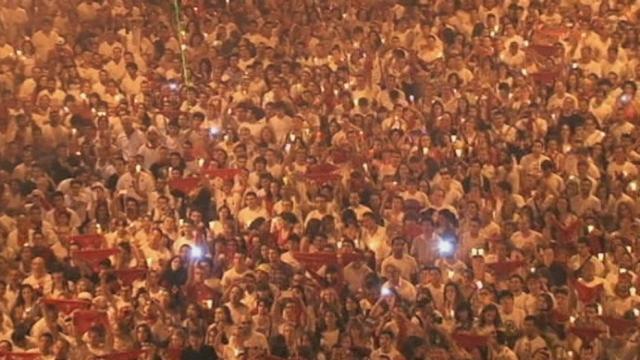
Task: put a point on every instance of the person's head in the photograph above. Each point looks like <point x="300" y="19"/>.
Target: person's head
<point x="394" y="274"/>
<point x="398" y="246"/>
<point x="196" y="339"/>
<point x="251" y="199"/>
<point x="60" y="349"/>
<point x="530" y="326"/>
<point x="236" y="294"/>
<point x="45" y="341"/>
<point x="386" y="340"/>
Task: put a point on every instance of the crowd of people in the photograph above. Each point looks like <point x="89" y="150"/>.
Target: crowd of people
<point x="319" y="179"/>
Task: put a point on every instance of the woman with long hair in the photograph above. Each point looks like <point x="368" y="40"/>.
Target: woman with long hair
<point x="26" y="310"/>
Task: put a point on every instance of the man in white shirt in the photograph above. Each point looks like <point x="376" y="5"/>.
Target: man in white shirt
<point x="406" y="264"/>
<point x="252" y="211"/>
<point x="387" y="350"/>
<point x="39" y="279"/>
<point x="356" y="206"/>
<point x="6" y="50"/>
<point x="356" y="272"/>
<point x="280" y="123"/>
<point x="252" y="339"/>
<point x="44" y="40"/>
<point x="397" y="286"/>
<point x="532" y="342"/>
<point x="512" y="317"/>
<point x="237" y="272"/>
<point x="136" y="182"/>
<point x="116" y="67"/>
<point x="131" y="83"/>
<point x="374" y="237"/>
<point x="585" y="201"/>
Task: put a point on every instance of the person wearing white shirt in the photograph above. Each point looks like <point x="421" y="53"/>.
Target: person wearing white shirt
<point x="39" y="279"/>
<point x="44" y="40"/>
<point x="356" y="206"/>
<point x="252" y="211"/>
<point x="513" y="56"/>
<point x="532" y="342"/>
<point x="321" y="210"/>
<point x="130" y="140"/>
<point x="236" y="272"/>
<point x="6" y="50"/>
<point x="525" y="237"/>
<point x="397" y="286"/>
<point x="88" y="10"/>
<point x="131" y="83"/>
<point x="356" y="272"/>
<point x="116" y="67"/>
<point x="280" y="123"/>
<point x="387" y="350"/>
<point x="135" y="183"/>
<point x="374" y="237"/>
<point x="620" y="166"/>
<point x="406" y="264"/>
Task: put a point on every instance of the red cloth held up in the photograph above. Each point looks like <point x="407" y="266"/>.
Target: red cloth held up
<point x="504" y="268"/>
<point x="585" y="333"/>
<point x="94" y="257"/>
<point x="545" y="77"/>
<point x="322" y="168"/>
<point x="587" y="294"/>
<point x="469" y="341"/>
<point x="174" y="354"/>
<point x="125" y="355"/>
<point x="224" y="174"/>
<point x="88" y="241"/>
<point x="322" y="173"/>
<point x="315" y="261"/>
<point x="128" y="276"/>
<point x="20" y="356"/>
<point x="322" y="178"/>
<point x="346" y="259"/>
<point x="67" y="306"/>
<point x="83" y="320"/>
<point x="618" y="326"/>
<point x="185" y="185"/>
